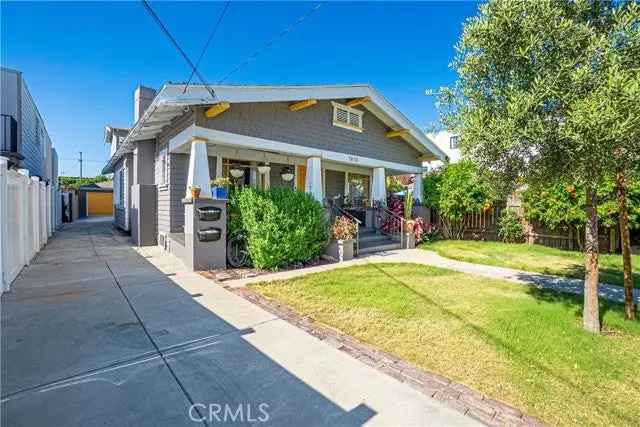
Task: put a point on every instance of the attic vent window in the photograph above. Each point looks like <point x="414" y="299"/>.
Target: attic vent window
<point x="347" y="117"/>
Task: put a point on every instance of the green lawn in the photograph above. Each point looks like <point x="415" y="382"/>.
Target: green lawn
<point x="534" y="258"/>
<point x="514" y="343"/>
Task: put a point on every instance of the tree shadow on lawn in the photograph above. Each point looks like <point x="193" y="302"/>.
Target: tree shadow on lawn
<point x="569" y="300"/>
<point x="573" y="286"/>
<point x="609" y="275"/>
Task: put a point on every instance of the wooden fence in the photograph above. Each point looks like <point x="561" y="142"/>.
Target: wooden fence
<point x="483" y="226"/>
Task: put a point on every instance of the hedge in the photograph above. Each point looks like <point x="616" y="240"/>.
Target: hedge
<point x="283" y="226"/>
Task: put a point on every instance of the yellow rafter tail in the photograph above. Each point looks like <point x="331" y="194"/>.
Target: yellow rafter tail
<point x="302" y="104"/>
<point x="399" y="132"/>
<point x="217" y="109"/>
<point x="358" y="101"/>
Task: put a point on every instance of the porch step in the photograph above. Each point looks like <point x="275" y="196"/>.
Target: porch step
<point x="376" y="243"/>
<point x="371" y="247"/>
<point x="372" y="237"/>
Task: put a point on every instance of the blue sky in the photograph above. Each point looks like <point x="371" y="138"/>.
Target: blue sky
<point x="82" y="61"/>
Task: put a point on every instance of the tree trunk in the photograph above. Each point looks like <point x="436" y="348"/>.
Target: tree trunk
<point x="591" y="314"/>
<point x="625" y="241"/>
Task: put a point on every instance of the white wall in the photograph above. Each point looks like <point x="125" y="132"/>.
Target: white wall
<point x="443" y="140"/>
<point x="25" y="220"/>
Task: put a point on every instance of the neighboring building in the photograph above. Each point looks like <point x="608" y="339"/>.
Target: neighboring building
<point x="24" y="137"/>
<point x="336" y="142"/>
<point x="448" y="143"/>
<point x="96" y="199"/>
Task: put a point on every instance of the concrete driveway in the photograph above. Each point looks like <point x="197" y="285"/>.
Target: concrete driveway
<point x="95" y="332"/>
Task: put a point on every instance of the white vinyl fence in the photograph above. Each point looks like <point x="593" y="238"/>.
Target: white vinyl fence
<point x="26" y="220"/>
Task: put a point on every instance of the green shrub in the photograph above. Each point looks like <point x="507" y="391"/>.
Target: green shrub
<point x="283" y="226"/>
<point x="510" y="227"/>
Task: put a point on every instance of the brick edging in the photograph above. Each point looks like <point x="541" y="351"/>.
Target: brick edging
<point x="454" y="395"/>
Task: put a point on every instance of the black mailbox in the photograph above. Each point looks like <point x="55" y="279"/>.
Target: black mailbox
<point x="209" y="213"/>
<point x="209" y="234"/>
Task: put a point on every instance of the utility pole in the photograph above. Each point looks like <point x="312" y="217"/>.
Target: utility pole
<point x="80" y="160"/>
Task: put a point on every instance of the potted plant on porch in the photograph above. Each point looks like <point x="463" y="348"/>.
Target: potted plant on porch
<point x="220" y="187"/>
<point x="343" y="231"/>
<point x="195" y="192"/>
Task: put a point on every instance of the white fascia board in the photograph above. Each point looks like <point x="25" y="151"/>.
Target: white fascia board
<point x="397" y="116"/>
<point x="249" y="142"/>
<point x="240" y="94"/>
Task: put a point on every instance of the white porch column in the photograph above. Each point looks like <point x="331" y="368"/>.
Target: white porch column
<point x="313" y="178"/>
<point x="219" y="166"/>
<point x="417" y="187"/>
<point x="379" y="186"/>
<point x="199" y="169"/>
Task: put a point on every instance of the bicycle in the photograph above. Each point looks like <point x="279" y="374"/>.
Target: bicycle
<point x="237" y="253"/>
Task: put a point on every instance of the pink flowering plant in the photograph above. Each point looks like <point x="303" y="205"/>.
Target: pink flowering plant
<point x="421" y="230"/>
<point x="343" y="228"/>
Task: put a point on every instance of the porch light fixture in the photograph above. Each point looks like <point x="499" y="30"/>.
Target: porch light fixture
<point x="286" y="174"/>
<point x="236" y="172"/>
<point x="264" y="169"/>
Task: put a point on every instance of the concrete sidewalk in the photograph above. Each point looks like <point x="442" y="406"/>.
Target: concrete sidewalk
<point x="420" y="256"/>
<point x="97" y="333"/>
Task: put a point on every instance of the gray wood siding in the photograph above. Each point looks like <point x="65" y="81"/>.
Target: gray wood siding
<point x="170" y="208"/>
<point x="312" y="127"/>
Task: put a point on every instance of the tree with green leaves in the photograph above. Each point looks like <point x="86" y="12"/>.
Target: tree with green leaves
<point x="456" y="190"/>
<point x="533" y="100"/>
<point x="562" y="206"/>
<point x="77" y="182"/>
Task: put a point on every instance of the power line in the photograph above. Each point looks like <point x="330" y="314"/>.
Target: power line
<point x="271" y="42"/>
<point x="206" y="45"/>
<point x="164" y="29"/>
<point x="84" y="160"/>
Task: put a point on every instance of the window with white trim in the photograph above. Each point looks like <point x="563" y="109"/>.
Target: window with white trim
<point x="347" y="117"/>
<point x="163" y="167"/>
<point x="453" y="142"/>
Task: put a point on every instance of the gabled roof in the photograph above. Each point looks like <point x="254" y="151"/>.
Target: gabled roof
<point x="110" y="131"/>
<point x="171" y="102"/>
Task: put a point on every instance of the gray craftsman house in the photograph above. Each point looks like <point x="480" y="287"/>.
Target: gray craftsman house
<point x="336" y="142"/>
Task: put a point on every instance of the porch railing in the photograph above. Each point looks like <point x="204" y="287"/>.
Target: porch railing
<point x="338" y="211"/>
<point x="389" y="223"/>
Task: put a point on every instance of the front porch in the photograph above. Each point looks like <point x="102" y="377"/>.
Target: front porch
<point x="344" y="184"/>
<point x="327" y="175"/>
